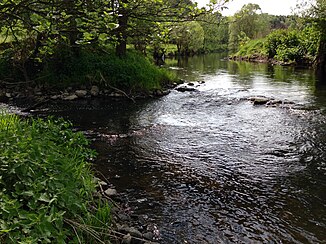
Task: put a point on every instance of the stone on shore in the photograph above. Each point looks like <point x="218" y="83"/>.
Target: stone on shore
<point x="95" y="91"/>
<point x="81" y="93"/>
<point x="111" y="192"/>
<point x="70" y="97"/>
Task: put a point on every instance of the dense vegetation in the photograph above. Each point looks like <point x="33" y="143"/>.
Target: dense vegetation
<point x="46" y="184"/>
<point x="298" y="39"/>
<point x="40" y="40"/>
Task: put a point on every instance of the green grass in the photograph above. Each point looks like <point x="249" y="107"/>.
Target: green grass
<point x="252" y="48"/>
<point x="46" y="184"/>
<point x="132" y="73"/>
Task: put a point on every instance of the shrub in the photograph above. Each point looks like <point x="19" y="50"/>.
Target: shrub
<point x="45" y="182"/>
<point x="284" y="45"/>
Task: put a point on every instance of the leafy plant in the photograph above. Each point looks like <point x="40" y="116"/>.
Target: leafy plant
<point x="45" y="180"/>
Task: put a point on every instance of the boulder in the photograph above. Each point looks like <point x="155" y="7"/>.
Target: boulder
<point x="95" y="91"/>
<point x="81" y="93"/>
<point x="259" y="100"/>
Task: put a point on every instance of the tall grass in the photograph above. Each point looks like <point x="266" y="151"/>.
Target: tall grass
<point x="45" y="182"/>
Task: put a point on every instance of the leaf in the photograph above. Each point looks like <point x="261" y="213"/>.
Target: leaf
<point x="44" y="198"/>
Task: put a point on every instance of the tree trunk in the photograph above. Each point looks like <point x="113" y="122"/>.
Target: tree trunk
<point x="121" y="47"/>
<point x="321" y="59"/>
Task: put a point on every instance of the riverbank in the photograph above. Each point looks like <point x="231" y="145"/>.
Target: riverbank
<point x="49" y="192"/>
<point x="258" y="58"/>
<point x="132" y="75"/>
<point x="40" y="95"/>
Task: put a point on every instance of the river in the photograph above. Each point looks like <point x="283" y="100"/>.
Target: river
<point x="209" y="166"/>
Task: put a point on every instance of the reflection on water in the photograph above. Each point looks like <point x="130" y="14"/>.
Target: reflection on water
<point x="208" y="166"/>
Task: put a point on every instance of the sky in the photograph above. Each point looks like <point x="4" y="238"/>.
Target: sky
<point x="276" y="7"/>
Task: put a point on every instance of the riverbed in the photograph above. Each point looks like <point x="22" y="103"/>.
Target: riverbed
<point x="209" y="166"/>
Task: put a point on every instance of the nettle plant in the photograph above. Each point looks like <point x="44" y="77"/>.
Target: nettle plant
<point x="46" y="184"/>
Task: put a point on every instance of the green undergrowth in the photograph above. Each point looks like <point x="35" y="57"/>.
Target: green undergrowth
<point x="46" y="184"/>
<point x="131" y="73"/>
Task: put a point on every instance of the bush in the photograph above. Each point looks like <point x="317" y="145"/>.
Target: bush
<point x="46" y="183"/>
<point x="284" y="45"/>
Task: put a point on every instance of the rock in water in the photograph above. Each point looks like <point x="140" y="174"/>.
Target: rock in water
<point x="259" y="100"/>
<point x="185" y="88"/>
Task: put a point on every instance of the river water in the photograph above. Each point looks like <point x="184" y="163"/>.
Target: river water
<point x="209" y="166"/>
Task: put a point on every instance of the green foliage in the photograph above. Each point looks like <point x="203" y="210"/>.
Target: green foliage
<point x="45" y="180"/>
<point x="216" y="32"/>
<point x="248" y="23"/>
<point x="49" y="30"/>
<point x="189" y="37"/>
<point x="131" y="73"/>
<point x="293" y="46"/>
<point x="284" y="46"/>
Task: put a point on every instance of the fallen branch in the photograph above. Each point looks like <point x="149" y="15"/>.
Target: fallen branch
<point x="116" y="89"/>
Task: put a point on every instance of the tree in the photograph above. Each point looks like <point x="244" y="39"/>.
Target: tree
<point x="145" y="14"/>
<point x="248" y="23"/>
<point x="216" y="29"/>
<point x="316" y="14"/>
<point x="189" y="37"/>
<point x="320" y="19"/>
<point x="39" y="29"/>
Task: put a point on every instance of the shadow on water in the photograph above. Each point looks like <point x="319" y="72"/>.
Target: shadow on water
<point x="208" y="166"/>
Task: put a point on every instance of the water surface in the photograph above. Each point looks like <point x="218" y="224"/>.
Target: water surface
<point x="209" y="166"/>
